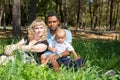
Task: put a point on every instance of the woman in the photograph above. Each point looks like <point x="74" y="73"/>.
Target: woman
<point x="34" y="43"/>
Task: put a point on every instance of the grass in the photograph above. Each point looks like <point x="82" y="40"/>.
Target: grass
<point x="101" y="56"/>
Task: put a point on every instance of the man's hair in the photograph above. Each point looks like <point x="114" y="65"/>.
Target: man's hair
<point x="52" y="14"/>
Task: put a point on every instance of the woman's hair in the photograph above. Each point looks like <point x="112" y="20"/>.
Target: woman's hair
<point x="37" y="22"/>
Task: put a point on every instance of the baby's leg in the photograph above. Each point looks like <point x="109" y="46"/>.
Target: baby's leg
<point x="43" y="59"/>
<point x="47" y="60"/>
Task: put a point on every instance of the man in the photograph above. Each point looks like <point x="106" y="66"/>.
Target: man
<point x="53" y="24"/>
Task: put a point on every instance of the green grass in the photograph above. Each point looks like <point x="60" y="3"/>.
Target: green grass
<point x="101" y="56"/>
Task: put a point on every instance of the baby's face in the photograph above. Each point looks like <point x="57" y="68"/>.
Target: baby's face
<point x="60" y="38"/>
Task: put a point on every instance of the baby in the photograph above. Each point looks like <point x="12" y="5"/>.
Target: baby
<point x="58" y="46"/>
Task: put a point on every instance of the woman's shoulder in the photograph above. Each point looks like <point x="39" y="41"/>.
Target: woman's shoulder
<point x="44" y="42"/>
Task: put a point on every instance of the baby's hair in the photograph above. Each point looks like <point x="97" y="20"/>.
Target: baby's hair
<point x="60" y="32"/>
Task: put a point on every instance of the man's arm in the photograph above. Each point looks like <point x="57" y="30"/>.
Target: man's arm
<point x="52" y="49"/>
<point x="65" y="53"/>
<point x="54" y="57"/>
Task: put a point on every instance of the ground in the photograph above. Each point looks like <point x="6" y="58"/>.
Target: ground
<point x="88" y="34"/>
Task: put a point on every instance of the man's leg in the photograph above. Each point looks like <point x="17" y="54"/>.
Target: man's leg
<point x="55" y="66"/>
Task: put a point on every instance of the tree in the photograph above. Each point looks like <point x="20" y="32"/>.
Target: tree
<point x="78" y="14"/>
<point x="1" y="10"/>
<point x="111" y="13"/>
<point x="16" y="15"/>
<point x="32" y="11"/>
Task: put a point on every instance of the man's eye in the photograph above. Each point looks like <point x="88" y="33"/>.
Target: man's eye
<point x="54" y="21"/>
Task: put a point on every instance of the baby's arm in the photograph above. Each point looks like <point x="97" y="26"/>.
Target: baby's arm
<point x="75" y="55"/>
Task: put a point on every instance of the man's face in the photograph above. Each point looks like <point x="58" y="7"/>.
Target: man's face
<point x="53" y="23"/>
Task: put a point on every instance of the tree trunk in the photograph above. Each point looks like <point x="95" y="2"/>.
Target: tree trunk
<point x="61" y="11"/>
<point x="65" y="15"/>
<point x="95" y="15"/>
<point x="57" y="2"/>
<point x="111" y="13"/>
<point x="32" y="11"/>
<point x="16" y="14"/>
<point x="90" y="11"/>
<point x="1" y="13"/>
<point x="100" y="12"/>
<point x="78" y="15"/>
<point x="107" y="19"/>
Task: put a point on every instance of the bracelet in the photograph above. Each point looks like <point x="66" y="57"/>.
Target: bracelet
<point x="58" y="55"/>
<point x="13" y="47"/>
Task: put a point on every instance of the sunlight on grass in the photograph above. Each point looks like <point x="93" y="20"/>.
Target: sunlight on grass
<point x="101" y="56"/>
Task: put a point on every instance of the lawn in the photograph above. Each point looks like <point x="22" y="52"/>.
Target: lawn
<point x="101" y="56"/>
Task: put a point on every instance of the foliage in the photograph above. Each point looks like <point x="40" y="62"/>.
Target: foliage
<point x="101" y="56"/>
<point x="100" y="11"/>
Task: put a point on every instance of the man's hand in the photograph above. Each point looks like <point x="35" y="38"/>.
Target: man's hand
<point x="53" y="58"/>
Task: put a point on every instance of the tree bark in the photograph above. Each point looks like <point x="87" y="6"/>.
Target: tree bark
<point x="16" y="14"/>
<point x="78" y="15"/>
<point x="90" y="11"/>
<point x="111" y="13"/>
<point x="1" y="13"/>
<point x="32" y="11"/>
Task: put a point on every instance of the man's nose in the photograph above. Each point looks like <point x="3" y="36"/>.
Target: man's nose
<point x="52" y="23"/>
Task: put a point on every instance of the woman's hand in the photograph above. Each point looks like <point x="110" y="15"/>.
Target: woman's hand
<point x="54" y="50"/>
<point x="8" y="50"/>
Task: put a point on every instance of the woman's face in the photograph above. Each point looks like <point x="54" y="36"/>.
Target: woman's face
<point x="39" y="30"/>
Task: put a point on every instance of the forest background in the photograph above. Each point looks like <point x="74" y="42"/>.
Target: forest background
<point x="96" y="16"/>
<point x="99" y="19"/>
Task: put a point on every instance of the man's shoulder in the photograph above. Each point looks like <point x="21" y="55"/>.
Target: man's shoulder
<point x="67" y="31"/>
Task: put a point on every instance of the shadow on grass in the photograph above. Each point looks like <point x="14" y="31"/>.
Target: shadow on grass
<point x="105" y="54"/>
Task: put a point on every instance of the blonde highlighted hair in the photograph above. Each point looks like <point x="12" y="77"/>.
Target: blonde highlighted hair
<point x="37" y="22"/>
<point x="60" y="32"/>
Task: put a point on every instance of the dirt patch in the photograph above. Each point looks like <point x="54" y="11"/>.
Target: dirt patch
<point x="89" y="34"/>
<point x="6" y="34"/>
<point x="104" y="36"/>
<point x="76" y="35"/>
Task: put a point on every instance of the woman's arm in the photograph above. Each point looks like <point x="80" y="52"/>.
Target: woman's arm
<point x="30" y="47"/>
<point x="10" y="48"/>
<point x="39" y="47"/>
<point x="52" y="49"/>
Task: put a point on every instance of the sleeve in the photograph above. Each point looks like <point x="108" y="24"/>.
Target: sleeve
<point x="52" y="44"/>
<point x="45" y="42"/>
<point x="68" y="36"/>
<point x="69" y="47"/>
